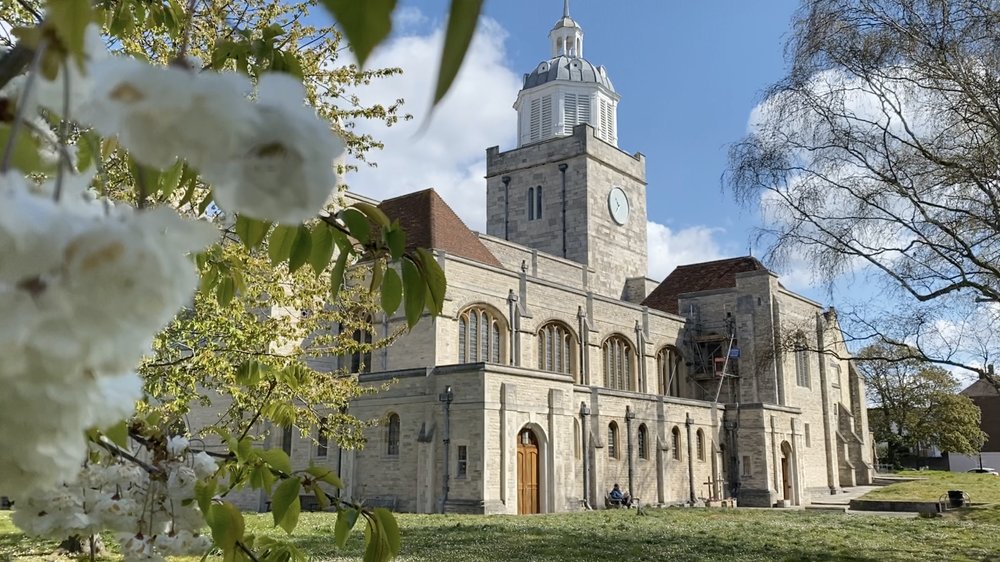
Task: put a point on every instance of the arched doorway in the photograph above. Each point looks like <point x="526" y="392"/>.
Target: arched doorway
<point x="786" y="471"/>
<point x="527" y="472"/>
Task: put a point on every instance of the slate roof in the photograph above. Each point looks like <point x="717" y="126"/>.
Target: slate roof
<point x="705" y="276"/>
<point x="430" y="223"/>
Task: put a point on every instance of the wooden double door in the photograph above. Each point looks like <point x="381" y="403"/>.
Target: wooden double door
<point x="527" y="472"/>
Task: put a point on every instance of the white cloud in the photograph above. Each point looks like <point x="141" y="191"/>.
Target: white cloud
<point x="446" y="150"/>
<point x="669" y="248"/>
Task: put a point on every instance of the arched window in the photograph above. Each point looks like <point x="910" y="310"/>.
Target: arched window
<point x="642" y="440"/>
<point x="286" y="439"/>
<point x="668" y="368"/>
<point x="700" y="444"/>
<point x="392" y="436"/>
<point x="479" y="336"/>
<point x="612" y="440"/>
<point x="555" y="348"/>
<point x="323" y="437"/>
<point x="531" y="203"/>
<point x="361" y="351"/>
<point x="538" y="202"/>
<point x="801" y="360"/>
<point x="618" y="360"/>
<point x="675" y="442"/>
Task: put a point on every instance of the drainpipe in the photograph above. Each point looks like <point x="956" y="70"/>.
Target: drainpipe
<point x="584" y="429"/>
<point x="506" y="206"/>
<point x="447" y="396"/>
<point x="629" y="416"/>
<point x="689" y="422"/>
<point x="562" y="170"/>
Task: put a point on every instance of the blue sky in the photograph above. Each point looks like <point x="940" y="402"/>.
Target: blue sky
<point x="689" y="74"/>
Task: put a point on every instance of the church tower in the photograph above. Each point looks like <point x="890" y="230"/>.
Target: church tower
<point x="567" y="189"/>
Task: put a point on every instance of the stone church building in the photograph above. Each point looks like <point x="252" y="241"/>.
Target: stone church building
<point x="558" y="369"/>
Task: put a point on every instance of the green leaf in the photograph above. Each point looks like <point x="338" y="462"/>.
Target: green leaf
<point x="392" y="292"/>
<point x="324" y="474"/>
<point x="358" y="224"/>
<point x="378" y="272"/>
<point x="209" y="278"/>
<point x="389" y="528"/>
<point x="278" y="460"/>
<point x="170" y="179"/>
<point x="461" y="26"/>
<point x="227" y="526"/>
<point x="321" y="498"/>
<point x="337" y="275"/>
<point x="365" y="24"/>
<point x="24" y="156"/>
<point x="225" y="291"/>
<point x="322" y="247"/>
<point x="69" y="18"/>
<point x="279" y="247"/>
<point x="373" y="213"/>
<point x="414" y="293"/>
<point x="243" y="449"/>
<point x="346" y="518"/>
<point x="396" y="239"/>
<point x="204" y="491"/>
<point x="377" y="547"/>
<point x="434" y="277"/>
<point x="251" y="231"/>
<point x="118" y="434"/>
<point x="285" y="496"/>
<point x="301" y="249"/>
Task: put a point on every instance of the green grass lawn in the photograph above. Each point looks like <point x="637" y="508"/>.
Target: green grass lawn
<point x="669" y="534"/>
<point x="982" y="488"/>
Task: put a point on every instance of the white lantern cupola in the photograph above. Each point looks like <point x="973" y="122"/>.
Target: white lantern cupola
<point x="566" y="90"/>
<point x="567" y="36"/>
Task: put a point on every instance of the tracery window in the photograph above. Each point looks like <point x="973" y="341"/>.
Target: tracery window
<point x="668" y="369"/>
<point x="618" y="363"/>
<point x="555" y="348"/>
<point x="480" y="336"/>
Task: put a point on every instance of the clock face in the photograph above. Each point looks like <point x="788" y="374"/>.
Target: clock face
<point x="618" y="205"/>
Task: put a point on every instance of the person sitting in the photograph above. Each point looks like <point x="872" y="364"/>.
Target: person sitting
<point x="617" y="498"/>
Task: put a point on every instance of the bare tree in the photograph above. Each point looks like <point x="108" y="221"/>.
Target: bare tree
<point x="878" y="156"/>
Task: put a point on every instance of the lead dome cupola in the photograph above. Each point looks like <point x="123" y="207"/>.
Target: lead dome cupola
<point x="566" y="90"/>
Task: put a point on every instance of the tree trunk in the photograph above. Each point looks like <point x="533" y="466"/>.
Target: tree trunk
<point x="79" y="545"/>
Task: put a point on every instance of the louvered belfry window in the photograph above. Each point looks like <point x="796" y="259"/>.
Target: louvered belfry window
<point x="576" y="110"/>
<point x="540" y="119"/>
<point x="479" y="336"/>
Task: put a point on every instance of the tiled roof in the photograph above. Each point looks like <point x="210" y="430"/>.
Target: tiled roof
<point x="706" y="276"/>
<point x="430" y="223"/>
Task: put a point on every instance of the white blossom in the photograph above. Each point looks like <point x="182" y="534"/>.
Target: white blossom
<point x="284" y="169"/>
<point x="204" y="465"/>
<point x="164" y="113"/>
<point x="177" y="445"/>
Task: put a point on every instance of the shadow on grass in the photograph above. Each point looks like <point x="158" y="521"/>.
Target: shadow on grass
<point x="684" y="535"/>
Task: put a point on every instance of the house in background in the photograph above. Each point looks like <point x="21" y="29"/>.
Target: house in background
<point x="985" y="395"/>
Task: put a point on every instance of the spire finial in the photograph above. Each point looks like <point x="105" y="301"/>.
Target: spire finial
<point x="565" y="8"/>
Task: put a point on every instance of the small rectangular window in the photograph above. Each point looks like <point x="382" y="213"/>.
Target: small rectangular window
<point x="746" y="465"/>
<point x="805" y="430"/>
<point x="462" y="470"/>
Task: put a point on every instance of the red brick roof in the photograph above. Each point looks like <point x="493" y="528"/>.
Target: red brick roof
<point x="706" y="276"/>
<point x="430" y="223"/>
